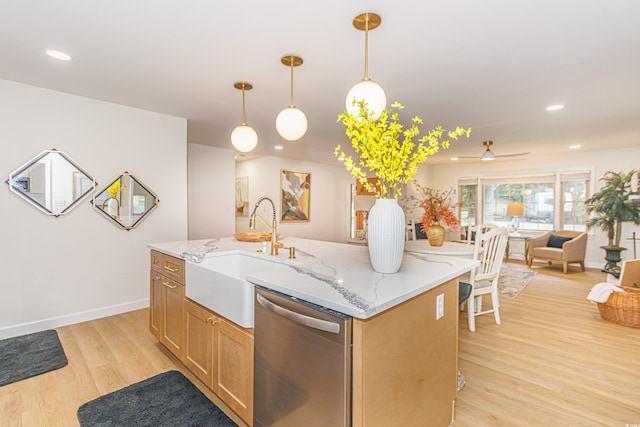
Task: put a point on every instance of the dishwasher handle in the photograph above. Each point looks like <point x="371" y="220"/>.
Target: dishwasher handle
<point x="301" y="319"/>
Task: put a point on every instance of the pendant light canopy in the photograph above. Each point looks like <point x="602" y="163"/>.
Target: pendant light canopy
<point x="244" y="138"/>
<point x="291" y="122"/>
<point x="366" y="90"/>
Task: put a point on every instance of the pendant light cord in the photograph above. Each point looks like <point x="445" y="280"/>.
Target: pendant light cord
<point x="244" y="116"/>
<point x="366" y="48"/>
<point x="291" y="96"/>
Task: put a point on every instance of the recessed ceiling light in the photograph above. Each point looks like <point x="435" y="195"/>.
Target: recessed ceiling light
<point x="555" y="107"/>
<point x="58" y="55"/>
<point x="278" y="147"/>
<point x="454" y="158"/>
<point x="576" y="146"/>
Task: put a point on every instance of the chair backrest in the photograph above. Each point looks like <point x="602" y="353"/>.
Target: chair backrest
<point x="472" y="231"/>
<point x="489" y="249"/>
<point x="630" y="274"/>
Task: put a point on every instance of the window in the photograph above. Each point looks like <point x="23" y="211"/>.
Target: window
<point x="467" y="200"/>
<point x="575" y="191"/>
<point x="551" y="201"/>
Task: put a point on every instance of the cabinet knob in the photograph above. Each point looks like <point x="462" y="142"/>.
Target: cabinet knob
<point x="209" y="319"/>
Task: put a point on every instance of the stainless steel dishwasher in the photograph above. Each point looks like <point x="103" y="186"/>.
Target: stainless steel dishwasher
<point x="302" y="362"/>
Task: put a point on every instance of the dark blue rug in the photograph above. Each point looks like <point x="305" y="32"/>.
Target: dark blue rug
<point x="29" y="355"/>
<point x="166" y="400"/>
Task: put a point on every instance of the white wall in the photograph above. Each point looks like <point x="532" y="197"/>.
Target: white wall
<point x="446" y="175"/>
<point x="80" y="266"/>
<point x="330" y="197"/>
<point x="211" y="173"/>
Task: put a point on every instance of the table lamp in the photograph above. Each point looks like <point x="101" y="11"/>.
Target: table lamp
<point x="515" y="210"/>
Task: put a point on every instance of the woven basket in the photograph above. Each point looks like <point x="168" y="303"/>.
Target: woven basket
<point x="622" y="308"/>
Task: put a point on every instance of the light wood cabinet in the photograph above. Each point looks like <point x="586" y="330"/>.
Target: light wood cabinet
<point x="220" y="354"/>
<point x="199" y="341"/>
<point x="405" y="363"/>
<point x="233" y="376"/>
<point x="166" y="319"/>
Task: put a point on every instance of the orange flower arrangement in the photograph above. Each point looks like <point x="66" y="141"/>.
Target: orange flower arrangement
<point x="437" y="207"/>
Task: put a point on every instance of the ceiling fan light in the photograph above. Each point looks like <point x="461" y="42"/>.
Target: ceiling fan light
<point x="370" y="92"/>
<point x="244" y="138"/>
<point x="291" y="123"/>
<point x="487" y="155"/>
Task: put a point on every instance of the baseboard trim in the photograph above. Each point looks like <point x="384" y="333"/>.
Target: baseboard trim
<point x="70" y="319"/>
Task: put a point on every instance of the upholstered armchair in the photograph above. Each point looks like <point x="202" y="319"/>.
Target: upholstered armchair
<point x="559" y="246"/>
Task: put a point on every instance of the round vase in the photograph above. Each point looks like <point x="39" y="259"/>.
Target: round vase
<point x="112" y="207"/>
<point x="385" y="234"/>
<point x="435" y="234"/>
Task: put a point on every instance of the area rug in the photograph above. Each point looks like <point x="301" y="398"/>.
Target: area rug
<point x="29" y="355"/>
<point x="166" y="400"/>
<point x="513" y="279"/>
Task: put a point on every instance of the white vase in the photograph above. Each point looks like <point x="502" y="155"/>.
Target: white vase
<point x="386" y="231"/>
<point x="112" y="207"/>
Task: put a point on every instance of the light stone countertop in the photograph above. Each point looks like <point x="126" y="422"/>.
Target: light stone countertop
<point x="337" y="276"/>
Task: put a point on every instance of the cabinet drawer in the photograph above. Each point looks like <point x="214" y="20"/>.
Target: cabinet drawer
<point x="168" y="266"/>
<point x="156" y="261"/>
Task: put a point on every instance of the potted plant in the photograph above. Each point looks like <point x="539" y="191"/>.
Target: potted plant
<point x="610" y="207"/>
<point x="385" y="149"/>
<point x="438" y="211"/>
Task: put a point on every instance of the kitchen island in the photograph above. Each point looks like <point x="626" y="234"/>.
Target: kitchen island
<point x="404" y="354"/>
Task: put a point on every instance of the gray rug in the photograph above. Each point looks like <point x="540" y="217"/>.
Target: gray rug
<point x="513" y="279"/>
<point x="29" y="355"/>
<point x="166" y="400"/>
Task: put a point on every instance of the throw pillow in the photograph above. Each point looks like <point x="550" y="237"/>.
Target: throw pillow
<point x="556" y="241"/>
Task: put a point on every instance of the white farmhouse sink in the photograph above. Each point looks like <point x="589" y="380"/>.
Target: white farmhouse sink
<point x="219" y="284"/>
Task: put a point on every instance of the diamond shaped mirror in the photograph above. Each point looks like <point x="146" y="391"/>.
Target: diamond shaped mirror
<point x="126" y="201"/>
<point x="52" y="182"/>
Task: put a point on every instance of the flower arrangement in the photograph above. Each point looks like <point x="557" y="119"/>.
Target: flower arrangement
<point x="115" y="188"/>
<point x="386" y="149"/>
<point x="437" y="206"/>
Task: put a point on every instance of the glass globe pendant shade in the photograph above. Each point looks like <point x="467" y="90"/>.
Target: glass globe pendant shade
<point x="244" y="138"/>
<point x="369" y="91"/>
<point x="291" y="123"/>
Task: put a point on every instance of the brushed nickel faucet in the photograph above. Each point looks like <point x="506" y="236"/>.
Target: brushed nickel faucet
<point x="275" y="245"/>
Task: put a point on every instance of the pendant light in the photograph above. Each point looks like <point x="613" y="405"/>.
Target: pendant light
<point x="243" y="137"/>
<point x="291" y="122"/>
<point x="367" y="89"/>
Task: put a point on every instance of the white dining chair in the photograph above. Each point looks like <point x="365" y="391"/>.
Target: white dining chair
<point x="410" y="230"/>
<point x="490" y="244"/>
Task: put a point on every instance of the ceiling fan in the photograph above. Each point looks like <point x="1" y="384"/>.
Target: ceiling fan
<point x="488" y="154"/>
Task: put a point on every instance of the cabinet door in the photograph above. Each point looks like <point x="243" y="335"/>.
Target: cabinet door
<point x="199" y="341"/>
<point x="234" y="368"/>
<point x="155" y="304"/>
<point x="172" y="316"/>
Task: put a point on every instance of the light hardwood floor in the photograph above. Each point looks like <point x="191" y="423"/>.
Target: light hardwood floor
<point x="552" y="362"/>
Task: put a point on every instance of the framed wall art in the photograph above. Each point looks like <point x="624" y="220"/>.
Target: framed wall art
<point x="362" y="191"/>
<point x="295" y="196"/>
<point x="242" y="196"/>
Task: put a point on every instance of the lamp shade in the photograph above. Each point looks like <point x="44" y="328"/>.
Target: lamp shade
<point x="370" y="92"/>
<point x="515" y="209"/>
<point x="291" y="123"/>
<point x="244" y="138"/>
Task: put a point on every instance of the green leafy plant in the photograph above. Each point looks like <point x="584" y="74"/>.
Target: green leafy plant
<point x="611" y="206"/>
<point x="387" y="150"/>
